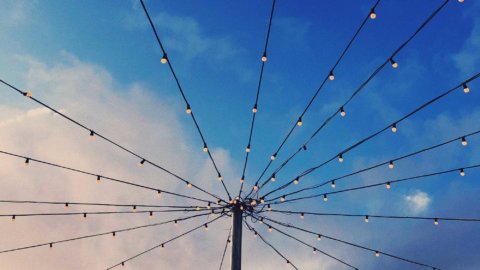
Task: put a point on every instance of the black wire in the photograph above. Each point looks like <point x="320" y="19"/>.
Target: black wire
<point x="183" y="94"/>
<point x="67" y="203"/>
<point x="270" y="245"/>
<point x="103" y="177"/>
<point x="347" y="47"/>
<point x="166" y="242"/>
<point x="379" y="164"/>
<point x="257" y="96"/>
<point x="375" y="134"/>
<point x="101" y="234"/>
<point x="361" y="87"/>
<point x="107" y="140"/>
<point x="349" y="243"/>
<point x="225" y="249"/>
<point x="380" y="184"/>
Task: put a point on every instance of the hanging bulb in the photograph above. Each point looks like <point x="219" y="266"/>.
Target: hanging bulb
<point x="151" y="214"/>
<point x="366" y="219"/>
<point x="206" y="227"/>
<point x="159" y="193"/>
<point x="288" y="262"/>
<point x="269" y="208"/>
<point x="388" y="185"/>
<point x="314" y="251"/>
<point x="462" y="172"/>
<point x="283" y="198"/>
<point x="390" y="164"/>
<point x="51" y="245"/>
<point x="255" y="234"/>
<point x="66" y="205"/>
<point x="377" y="253"/>
<point x="342" y="112"/>
<point x="255" y="187"/>
<point x="394" y="127"/>
<point x="340" y="158"/>
<point x="113" y="234"/>
<point x="197" y="208"/>
<point x="141" y="162"/>
<point x="205" y="148"/>
<point x="13" y="218"/>
<point x="394" y="64"/>
<point x="296" y="181"/>
<point x="465" y="88"/>
<point x="373" y="15"/>
<point x="270" y="229"/>
<point x="241" y="208"/>
<point x="464" y="141"/>
<point x="264" y="57"/>
<point x="242" y="179"/>
<point x="273" y="157"/>
<point x="188" y="109"/>
<point x="92" y="135"/>
<point x="273" y="178"/>
<point x="164" y="58"/>
<point x="27" y="94"/>
<point x="302" y="216"/>
<point x="319" y="237"/>
<point x="175" y="222"/>
<point x="331" y="76"/>
<point x="162" y="245"/>
<point x="98" y="179"/>
<point x="27" y="161"/>
<point x="460" y="1"/>
<point x="262" y="200"/>
<point x="84" y="215"/>
<point x="253" y="203"/>
<point x="189" y="185"/>
<point x="333" y="183"/>
<point x="254" y="110"/>
<point x="219" y="177"/>
<point x="209" y="205"/>
<point x="248" y="149"/>
<point x="299" y="122"/>
<point x="123" y="263"/>
<point x="435" y="221"/>
<point x="325" y="198"/>
<point x="261" y="220"/>
<point x="134" y="208"/>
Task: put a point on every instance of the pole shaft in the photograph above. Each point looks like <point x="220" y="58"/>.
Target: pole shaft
<point x="237" y="239"/>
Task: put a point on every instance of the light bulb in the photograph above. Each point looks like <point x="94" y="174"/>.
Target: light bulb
<point x="209" y="205"/>
<point x="255" y="234"/>
<point x="205" y="148"/>
<point x="373" y="15"/>
<point x="390" y="164"/>
<point x="273" y="156"/>
<point x="261" y="220"/>
<point x="247" y="149"/>
<point x="296" y="181"/>
<point x="465" y="88"/>
<point x="254" y="110"/>
<point x="314" y="251"/>
<point x="283" y="199"/>
<point x="134" y="208"/>
<point x="302" y="216"/>
<point x="92" y="135"/>
<point x="189" y="185"/>
<point x="98" y="179"/>
<point x="219" y="177"/>
<point x="388" y="185"/>
<point x="197" y="208"/>
<point x="164" y="59"/>
<point x="299" y="122"/>
<point x="319" y="237"/>
<point x="255" y="187"/>
<point x="262" y="200"/>
<point x="27" y="161"/>
<point x="84" y="215"/>
<point x="460" y="1"/>
<point x="241" y="208"/>
<point x="273" y="178"/>
<point x="269" y="208"/>
<point x="188" y="109"/>
<point x="159" y="193"/>
<point x="66" y="205"/>
<point x="394" y="128"/>
<point x="340" y="158"/>
<point x="113" y="234"/>
<point x="464" y="141"/>
<point x="435" y="221"/>
<point x="206" y="227"/>
<point x="342" y="112"/>
<point x="331" y="76"/>
<point x="394" y="64"/>
<point x="325" y="198"/>
<point x="462" y="172"/>
<point x="141" y="162"/>
<point x="270" y="229"/>
<point x="366" y="219"/>
<point x="377" y="253"/>
<point x="51" y="245"/>
<point x="333" y="183"/>
<point x="13" y="218"/>
<point x="264" y="57"/>
<point x="27" y="94"/>
<point x="242" y="179"/>
<point x="253" y="203"/>
<point x="151" y="214"/>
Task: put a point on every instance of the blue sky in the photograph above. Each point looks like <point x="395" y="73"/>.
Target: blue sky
<point x="99" y="62"/>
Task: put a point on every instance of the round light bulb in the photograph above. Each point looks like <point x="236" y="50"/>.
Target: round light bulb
<point x="333" y="184"/>
<point x="388" y="185"/>
<point x="465" y="88"/>
<point x="373" y="15"/>
<point x="299" y="122"/>
<point x="273" y="157"/>
<point x="391" y="165"/>
<point x="464" y="141"/>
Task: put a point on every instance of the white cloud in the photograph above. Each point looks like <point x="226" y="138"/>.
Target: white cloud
<point x="468" y="59"/>
<point x="418" y="201"/>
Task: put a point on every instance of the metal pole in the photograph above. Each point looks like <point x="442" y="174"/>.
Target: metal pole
<point x="237" y="239"/>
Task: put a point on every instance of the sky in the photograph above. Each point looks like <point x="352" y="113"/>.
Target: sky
<point x="98" y="62"/>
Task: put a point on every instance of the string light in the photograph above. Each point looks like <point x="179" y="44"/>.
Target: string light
<point x="159" y="193"/>
<point x="388" y="185"/>
<point x="92" y="135"/>
<point x="340" y="158"/>
<point x="84" y="215"/>
<point x="151" y="213"/>
<point x="66" y="205"/>
<point x="314" y="251"/>
<point x="465" y="88"/>
<point x="302" y="216"/>
<point x="435" y="221"/>
<point x="333" y="184"/>
<point x="51" y="245"/>
<point x="98" y="179"/>
<point x="164" y="58"/>
<point x="197" y="208"/>
<point x="464" y="141"/>
<point x="283" y="199"/>
<point x="253" y="203"/>
<point x="123" y="263"/>
<point x="390" y="164"/>
<point x="460" y="1"/>
<point x="255" y="187"/>
<point x="394" y="127"/>
<point x="373" y="15"/>
<point x="141" y="162"/>
<point x="331" y="76"/>
<point x="254" y="110"/>
<point x="209" y="205"/>
<point x="241" y="208"/>
<point x="255" y="235"/>
<point x="175" y="222"/>
<point x="394" y="64"/>
<point x="377" y="253"/>
<point x="299" y="122"/>
<point x="325" y="198"/>
<point x="219" y="177"/>
<point x="273" y="157"/>
<point x="273" y="178"/>
<point x="188" y="109"/>
<point x="342" y="112"/>
<point x="189" y="185"/>
<point x="27" y="161"/>
<point x="13" y="218"/>
<point x="248" y="149"/>
<point x="113" y="234"/>
<point x="366" y="219"/>
<point x="262" y="200"/>
<point x="264" y="57"/>
<point x="319" y="237"/>
<point x="304" y="147"/>
<point x="269" y="208"/>
<point x="261" y="220"/>
<point x="205" y="148"/>
<point x="242" y="179"/>
<point x="462" y="172"/>
<point x="27" y="94"/>
<point x="296" y="181"/>
<point x="270" y="229"/>
<point x="206" y="227"/>
<point x="134" y="208"/>
<point x="162" y="245"/>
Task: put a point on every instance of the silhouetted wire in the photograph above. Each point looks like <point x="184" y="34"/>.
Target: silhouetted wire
<point x="347" y="47"/>
<point x="107" y="140"/>
<point x="257" y="97"/>
<point x="68" y="203"/>
<point x="360" y="88"/>
<point x="103" y="177"/>
<point x="348" y="243"/>
<point x="183" y="94"/>
<point x="313" y="247"/>
<point x="270" y="245"/>
<point x="163" y="243"/>
<point x="101" y="234"/>
<point x="335" y="179"/>
<point x="375" y="134"/>
<point x="391" y="182"/>
<point x="225" y="249"/>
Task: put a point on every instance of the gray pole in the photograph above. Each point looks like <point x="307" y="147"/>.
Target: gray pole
<point x="237" y="238"/>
